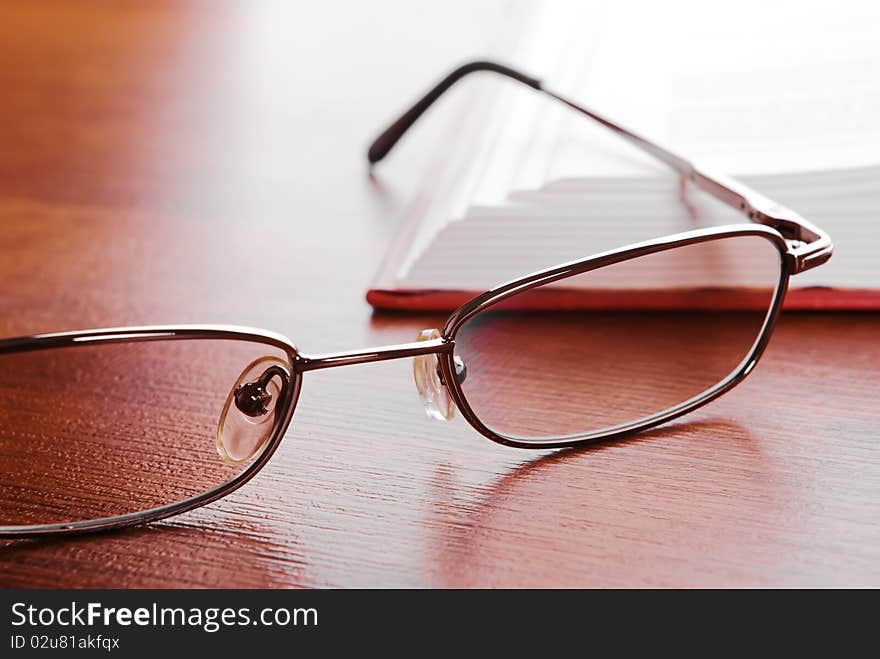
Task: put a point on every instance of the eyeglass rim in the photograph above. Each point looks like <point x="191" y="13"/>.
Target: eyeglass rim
<point x="443" y="347"/>
<point x="286" y="405"/>
<point x="492" y="297"/>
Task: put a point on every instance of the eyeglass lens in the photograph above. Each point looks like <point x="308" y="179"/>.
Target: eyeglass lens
<point x="633" y="340"/>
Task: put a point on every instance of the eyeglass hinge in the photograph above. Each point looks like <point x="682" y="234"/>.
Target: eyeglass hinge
<point x="810" y="255"/>
<point x="808" y="246"/>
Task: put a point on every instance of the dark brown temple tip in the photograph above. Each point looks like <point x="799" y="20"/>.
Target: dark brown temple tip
<point x="386" y="141"/>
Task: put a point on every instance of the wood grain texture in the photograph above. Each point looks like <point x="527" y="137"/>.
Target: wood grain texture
<point x="177" y="163"/>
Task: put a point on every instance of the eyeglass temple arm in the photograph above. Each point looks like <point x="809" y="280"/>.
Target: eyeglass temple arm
<point x="810" y="245"/>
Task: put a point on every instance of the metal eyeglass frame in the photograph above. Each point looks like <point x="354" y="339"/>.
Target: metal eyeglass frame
<point x="801" y="246"/>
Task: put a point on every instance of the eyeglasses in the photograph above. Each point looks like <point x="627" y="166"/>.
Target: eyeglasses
<point x="107" y="428"/>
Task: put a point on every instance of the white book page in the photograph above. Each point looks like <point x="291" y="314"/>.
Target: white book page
<point x="802" y="126"/>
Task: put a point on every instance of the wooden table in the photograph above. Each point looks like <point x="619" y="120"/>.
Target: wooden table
<point x="176" y="163"/>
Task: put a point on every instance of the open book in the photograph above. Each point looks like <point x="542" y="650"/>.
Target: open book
<point x="530" y="184"/>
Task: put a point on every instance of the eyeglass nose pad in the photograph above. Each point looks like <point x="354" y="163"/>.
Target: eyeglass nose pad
<point x="426" y="372"/>
<point x="244" y="425"/>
